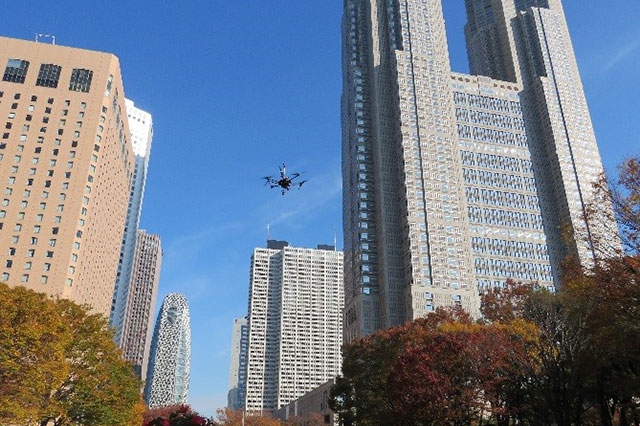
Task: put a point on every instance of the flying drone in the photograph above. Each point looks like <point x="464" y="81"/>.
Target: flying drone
<point x="284" y="182"/>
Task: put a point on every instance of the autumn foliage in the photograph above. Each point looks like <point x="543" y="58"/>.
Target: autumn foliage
<point x="175" y="415"/>
<point x="443" y="367"/>
<point x="536" y="358"/>
<point x="227" y="417"/>
<point x="58" y="363"/>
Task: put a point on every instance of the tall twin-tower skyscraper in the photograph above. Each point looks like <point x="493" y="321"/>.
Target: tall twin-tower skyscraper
<point x="453" y="183"/>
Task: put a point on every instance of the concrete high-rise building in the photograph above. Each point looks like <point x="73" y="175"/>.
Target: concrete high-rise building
<point x="238" y="368"/>
<point x="170" y="359"/>
<point x="141" y="127"/>
<point x="453" y="183"/>
<point x="141" y="305"/>
<point x="531" y="45"/>
<point x="66" y="165"/>
<point x="295" y="323"/>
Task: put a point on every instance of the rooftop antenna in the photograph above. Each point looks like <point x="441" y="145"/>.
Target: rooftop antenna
<point x="268" y="230"/>
<point x="335" y="240"/>
<point x="51" y="38"/>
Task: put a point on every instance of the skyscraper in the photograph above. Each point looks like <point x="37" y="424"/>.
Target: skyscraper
<point x="66" y="164"/>
<point x="141" y="127"/>
<point x="143" y="292"/>
<point x="294" y="323"/>
<point x="453" y="183"/>
<point x="531" y="43"/>
<point x="238" y="368"/>
<point x="170" y="359"/>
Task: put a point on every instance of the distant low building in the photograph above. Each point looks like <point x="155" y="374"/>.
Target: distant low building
<point x="314" y="403"/>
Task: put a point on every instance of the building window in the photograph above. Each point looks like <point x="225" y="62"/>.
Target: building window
<point x="49" y="75"/>
<point x="81" y="80"/>
<point x="16" y="71"/>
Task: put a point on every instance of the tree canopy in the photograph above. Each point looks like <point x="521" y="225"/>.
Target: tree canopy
<point x="58" y="363"/>
<point x="535" y="358"/>
<point x="175" y="415"/>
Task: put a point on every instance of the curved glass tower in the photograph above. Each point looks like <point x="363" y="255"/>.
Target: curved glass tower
<point x="170" y="359"/>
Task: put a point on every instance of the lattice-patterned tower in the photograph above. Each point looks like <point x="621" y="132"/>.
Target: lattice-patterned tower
<point x="170" y="360"/>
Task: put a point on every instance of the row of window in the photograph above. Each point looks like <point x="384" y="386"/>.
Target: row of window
<point x="499" y="247"/>
<point x="501" y="180"/>
<point x="489" y="119"/>
<point x="492" y="161"/>
<point x="48" y="75"/>
<point x="487" y="102"/>
<point x="25" y="278"/>
<point x="511" y="269"/>
<point x="506" y="199"/>
<point x="504" y="218"/>
<point x="499" y="137"/>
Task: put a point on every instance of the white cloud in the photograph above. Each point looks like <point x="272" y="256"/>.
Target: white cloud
<point x="621" y="54"/>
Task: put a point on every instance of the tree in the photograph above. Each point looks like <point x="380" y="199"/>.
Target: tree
<point x="606" y="299"/>
<point x="59" y="363"/>
<point x="33" y="338"/>
<point x="227" y="417"/>
<point x="615" y="210"/>
<point x="584" y="358"/>
<point x="442" y="369"/>
<point x="175" y="415"/>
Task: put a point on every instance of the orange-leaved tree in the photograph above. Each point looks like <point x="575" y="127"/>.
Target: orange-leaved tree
<point x="58" y="363"/>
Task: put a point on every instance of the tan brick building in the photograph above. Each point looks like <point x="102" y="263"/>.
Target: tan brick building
<point x="66" y="163"/>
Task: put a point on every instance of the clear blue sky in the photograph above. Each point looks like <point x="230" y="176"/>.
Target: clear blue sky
<point x="238" y="87"/>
